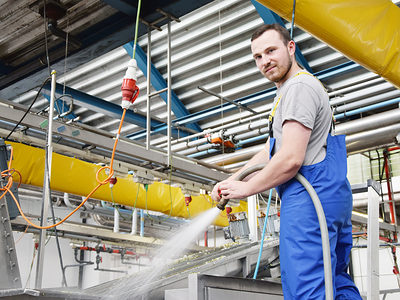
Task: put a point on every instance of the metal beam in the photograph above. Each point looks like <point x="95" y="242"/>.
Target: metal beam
<point x="122" y="6"/>
<point x="269" y="17"/>
<point x="105" y="140"/>
<point x="97" y="40"/>
<point x="159" y="83"/>
<point x="4" y="69"/>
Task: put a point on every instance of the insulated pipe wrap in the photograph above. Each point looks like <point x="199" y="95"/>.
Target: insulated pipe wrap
<point x="364" y="31"/>
<point x="71" y="175"/>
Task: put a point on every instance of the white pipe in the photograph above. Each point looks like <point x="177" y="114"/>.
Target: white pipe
<point x="371" y="122"/>
<point x="367" y="101"/>
<point x="372" y="139"/>
<point x="169" y="98"/>
<point x="134" y="222"/>
<point x="240" y="155"/>
<point x="239" y="121"/>
<point x="116" y="220"/>
<point x="46" y="185"/>
<point x="67" y="202"/>
<point x="252" y="217"/>
<point x="148" y="115"/>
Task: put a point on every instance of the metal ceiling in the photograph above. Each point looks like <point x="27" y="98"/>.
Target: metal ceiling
<point x="211" y="49"/>
<point x="94" y="28"/>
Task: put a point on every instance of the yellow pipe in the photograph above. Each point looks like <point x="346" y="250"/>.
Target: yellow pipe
<point x="365" y="31"/>
<point x="71" y="175"/>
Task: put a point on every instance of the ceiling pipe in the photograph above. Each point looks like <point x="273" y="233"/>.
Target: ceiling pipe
<point x="366" y="101"/>
<point x="367" y="108"/>
<point x="238" y="122"/>
<point x="369" y="123"/>
<point x="365" y="31"/>
<point x="372" y="139"/>
<point x="362" y="134"/>
<point x="261" y="128"/>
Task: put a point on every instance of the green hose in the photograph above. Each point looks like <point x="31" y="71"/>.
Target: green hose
<point x="136" y="28"/>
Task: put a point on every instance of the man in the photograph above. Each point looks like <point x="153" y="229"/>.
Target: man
<point x="299" y="141"/>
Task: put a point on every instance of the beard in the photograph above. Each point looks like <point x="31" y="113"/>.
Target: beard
<point x="283" y="70"/>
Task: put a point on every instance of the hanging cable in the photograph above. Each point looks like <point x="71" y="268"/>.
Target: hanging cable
<point x="45" y="36"/>
<point x="136" y="29"/>
<point x="29" y="108"/>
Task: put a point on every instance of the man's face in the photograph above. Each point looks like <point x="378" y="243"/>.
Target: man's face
<point x="272" y="56"/>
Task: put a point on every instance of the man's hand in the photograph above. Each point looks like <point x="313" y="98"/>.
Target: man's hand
<point x="234" y="189"/>
<point x="216" y="192"/>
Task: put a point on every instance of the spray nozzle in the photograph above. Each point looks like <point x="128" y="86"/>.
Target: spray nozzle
<point x="222" y="203"/>
<point x="130" y="91"/>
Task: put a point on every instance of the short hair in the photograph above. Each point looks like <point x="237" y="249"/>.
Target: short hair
<point x="282" y="31"/>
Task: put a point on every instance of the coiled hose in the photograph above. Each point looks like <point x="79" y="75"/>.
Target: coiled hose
<point x="321" y="219"/>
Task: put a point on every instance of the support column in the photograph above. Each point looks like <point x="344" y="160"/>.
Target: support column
<point x="252" y="217"/>
<point x="9" y="270"/>
<point x="373" y="242"/>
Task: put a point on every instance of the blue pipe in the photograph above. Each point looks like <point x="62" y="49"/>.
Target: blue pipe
<point x="243" y="142"/>
<point x="253" y="139"/>
<point x="247" y="100"/>
<point x="366" y="108"/>
<point x="205" y="152"/>
<point x="263" y="235"/>
<point x="204" y="114"/>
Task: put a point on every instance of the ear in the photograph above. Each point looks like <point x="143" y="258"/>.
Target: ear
<point x="291" y="46"/>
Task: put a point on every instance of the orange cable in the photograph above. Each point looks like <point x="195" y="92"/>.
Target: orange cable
<point x="7" y="187"/>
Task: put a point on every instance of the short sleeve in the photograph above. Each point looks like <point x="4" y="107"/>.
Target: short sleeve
<point x="301" y="104"/>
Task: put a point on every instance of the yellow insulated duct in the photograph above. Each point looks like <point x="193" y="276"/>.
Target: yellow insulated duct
<point x="365" y="31"/>
<point x="71" y="175"/>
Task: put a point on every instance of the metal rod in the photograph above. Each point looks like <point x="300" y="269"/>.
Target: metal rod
<point x="158" y="92"/>
<point x="169" y="96"/>
<point x="227" y="100"/>
<point x="148" y="115"/>
<point x="46" y="185"/>
<point x="168" y="15"/>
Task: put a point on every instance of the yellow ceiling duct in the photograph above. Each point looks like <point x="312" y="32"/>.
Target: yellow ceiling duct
<point x="71" y="175"/>
<point x="366" y="31"/>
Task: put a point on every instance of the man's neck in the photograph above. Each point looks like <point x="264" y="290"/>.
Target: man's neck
<point x="293" y="71"/>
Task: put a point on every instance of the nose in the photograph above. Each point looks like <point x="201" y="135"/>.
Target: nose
<point x="265" y="61"/>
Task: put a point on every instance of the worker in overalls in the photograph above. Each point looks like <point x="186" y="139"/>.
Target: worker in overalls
<point x="300" y="141"/>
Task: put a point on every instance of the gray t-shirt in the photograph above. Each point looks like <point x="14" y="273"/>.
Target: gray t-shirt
<point x="304" y="100"/>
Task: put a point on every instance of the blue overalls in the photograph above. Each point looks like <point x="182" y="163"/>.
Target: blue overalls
<point x="302" y="267"/>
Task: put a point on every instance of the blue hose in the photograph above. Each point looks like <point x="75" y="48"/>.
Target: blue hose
<point x="263" y="235"/>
